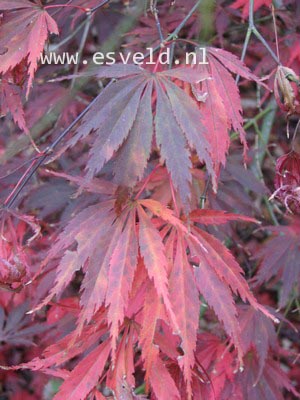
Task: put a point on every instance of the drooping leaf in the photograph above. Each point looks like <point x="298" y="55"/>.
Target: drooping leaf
<point x="186" y="307"/>
<point x="153" y="252"/>
<point x="157" y="374"/>
<point x="215" y="267"/>
<point x="121" y="375"/>
<point x="162" y="382"/>
<point x="229" y="93"/>
<point x="219" y="297"/>
<point x="152" y="312"/>
<point x="218" y="363"/>
<point x="215" y="254"/>
<point x="95" y="248"/>
<point x="220" y="102"/>
<point x="216" y="121"/>
<point x="121" y="272"/>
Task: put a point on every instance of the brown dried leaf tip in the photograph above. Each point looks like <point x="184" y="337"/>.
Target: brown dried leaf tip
<point x="286" y="91"/>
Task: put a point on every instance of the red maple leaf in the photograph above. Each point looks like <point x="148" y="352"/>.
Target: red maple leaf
<point x="24" y="30"/>
<point x="122" y="119"/>
<point x="280" y="257"/>
<point x="245" y="5"/>
<point x="220" y="102"/>
<point x="11" y="100"/>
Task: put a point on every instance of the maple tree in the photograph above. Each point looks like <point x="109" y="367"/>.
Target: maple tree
<point x="149" y="241"/>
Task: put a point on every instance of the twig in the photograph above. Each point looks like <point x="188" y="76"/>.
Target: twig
<point x="184" y="21"/>
<point x="286" y="311"/>
<point x="146" y="181"/>
<point x="96" y="8"/>
<point x="38" y="161"/>
<point x="174" y="34"/>
<point x="69" y="37"/>
<point x="89" y="13"/>
<point x="204" y="194"/>
<point x="154" y="11"/>
<point x="87" y="22"/>
<point x="253" y="30"/>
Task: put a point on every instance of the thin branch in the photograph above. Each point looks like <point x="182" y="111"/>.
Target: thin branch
<point x="89" y="13"/>
<point x="83" y="9"/>
<point x="102" y="4"/>
<point x="69" y="37"/>
<point x="154" y="11"/>
<point x="184" y="21"/>
<point x="84" y="37"/>
<point x="42" y="158"/>
<point x="176" y="31"/>
<point x="253" y="30"/>
<point x="203" y="196"/>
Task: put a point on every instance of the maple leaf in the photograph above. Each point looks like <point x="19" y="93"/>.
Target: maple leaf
<point x="217" y="217"/>
<point x="11" y="100"/>
<point x="280" y="257"/>
<point x="156" y="372"/>
<point x="219" y="364"/>
<point x="220" y="299"/>
<point x="218" y="257"/>
<point x="153" y="310"/>
<point x="61" y="351"/>
<point x="121" y="377"/>
<point x="216" y="119"/>
<point x="226" y="381"/>
<point x="220" y="102"/>
<point x="216" y="276"/>
<point x="153" y="252"/>
<point x="85" y="375"/>
<point x="162" y="382"/>
<point x="109" y="260"/>
<point x="269" y="387"/>
<point x="122" y="118"/>
<point x="257" y="331"/>
<point x="234" y="185"/>
<point x="121" y="272"/>
<point x="187" y="307"/>
<point x="23" y="34"/>
<point x="98" y="259"/>
<point x="16" y="329"/>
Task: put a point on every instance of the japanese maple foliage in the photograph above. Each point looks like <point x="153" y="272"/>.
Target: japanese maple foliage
<point x="142" y="252"/>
